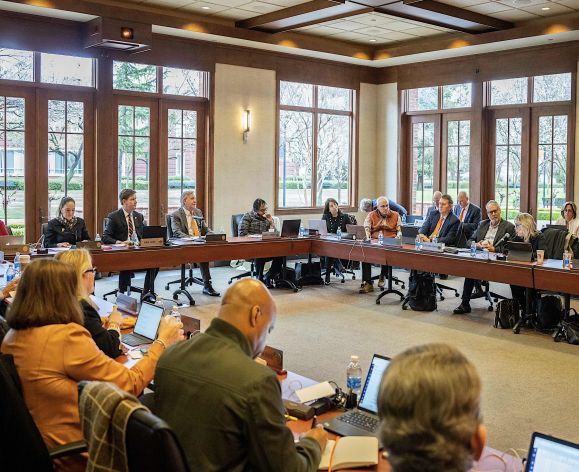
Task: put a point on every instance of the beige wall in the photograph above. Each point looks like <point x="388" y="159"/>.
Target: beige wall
<point x="576" y="183"/>
<point x="387" y="141"/>
<point x="243" y="172"/>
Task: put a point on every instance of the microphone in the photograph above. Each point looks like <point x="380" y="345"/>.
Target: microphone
<point x="506" y="237"/>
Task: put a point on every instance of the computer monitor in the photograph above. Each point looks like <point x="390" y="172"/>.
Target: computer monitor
<point x="290" y="228"/>
<point x="319" y="225"/>
<point x="550" y="454"/>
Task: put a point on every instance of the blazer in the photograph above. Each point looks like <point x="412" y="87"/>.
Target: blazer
<point x="50" y="361"/>
<point x="106" y="340"/>
<point x="471" y="220"/>
<point x="179" y="223"/>
<point x="57" y="233"/>
<point x="447" y="233"/>
<point x="483" y="227"/>
<point x="118" y="230"/>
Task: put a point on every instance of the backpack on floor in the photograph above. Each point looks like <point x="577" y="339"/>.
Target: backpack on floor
<point x="507" y="314"/>
<point x="568" y="330"/>
<point x="421" y="291"/>
<point x="549" y="312"/>
<point x="308" y="273"/>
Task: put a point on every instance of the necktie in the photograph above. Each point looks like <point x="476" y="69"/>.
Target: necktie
<point x="437" y="229"/>
<point x="130" y="225"/>
<point x="194" y="226"/>
<point x="461" y="214"/>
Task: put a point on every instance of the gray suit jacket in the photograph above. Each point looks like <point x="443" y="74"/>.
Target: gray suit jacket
<point x="504" y="227"/>
<point x="179" y="223"/>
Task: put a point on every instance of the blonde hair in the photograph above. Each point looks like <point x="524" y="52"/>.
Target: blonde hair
<point x="45" y="296"/>
<point x="527" y="222"/>
<point x="81" y="261"/>
<point x="429" y="405"/>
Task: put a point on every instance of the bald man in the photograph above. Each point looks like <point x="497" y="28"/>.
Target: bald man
<point x="226" y="408"/>
<point x="436" y="196"/>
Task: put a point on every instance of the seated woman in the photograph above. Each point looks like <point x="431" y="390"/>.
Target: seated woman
<point x="335" y="218"/>
<point x="52" y="352"/>
<point x="526" y="229"/>
<point x="429" y="406"/>
<point x="569" y="218"/>
<point x="66" y="229"/>
<point x="107" y="339"/>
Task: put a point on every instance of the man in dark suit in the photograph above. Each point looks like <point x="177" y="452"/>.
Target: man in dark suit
<point x="188" y="221"/>
<point x="121" y="227"/>
<point x="489" y="235"/>
<point x="468" y="214"/>
<point x="441" y="224"/>
<point x="436" y="196"/>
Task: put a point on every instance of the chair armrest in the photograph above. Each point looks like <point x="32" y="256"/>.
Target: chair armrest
<point x="70" y="449"/>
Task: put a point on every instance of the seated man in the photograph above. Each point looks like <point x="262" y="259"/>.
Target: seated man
<point x="441" y="224"/>
<point x="367" y="205"/>
<point x="382" y="220"/>
<point x="468" y="214"/>
<point x="225" y="408"/>
<point x="188" y="221"/>
<point x="259" y="221"/>
<point x="489" y="235"/>
<point x="123" y="224"/>
<point x="429" y="404"/>
<point x="436" y="196"/>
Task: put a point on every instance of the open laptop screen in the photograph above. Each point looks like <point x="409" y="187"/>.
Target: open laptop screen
<point x="148" y="320"/>
<point x="369" y="397"/>
<point x="549" y="454"/>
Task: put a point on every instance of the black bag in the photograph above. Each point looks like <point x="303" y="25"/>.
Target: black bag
<point x="421" y="291"/>
<point x="568" y="331"/>
<point x="507" y="314"/>
<point x="309" y="273"/>
<point x="549" y="312"/>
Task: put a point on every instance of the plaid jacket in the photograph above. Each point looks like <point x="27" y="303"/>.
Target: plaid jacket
<point x="252" y="223"/>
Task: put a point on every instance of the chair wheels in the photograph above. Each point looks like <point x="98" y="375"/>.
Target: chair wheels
<point x="441" y="298"/>
<point x="404" y="307"/>
<point x="377" y="302"/>
<point x="167" y="287"/>
<point x="343" y="281"/>
<point x="490" y="308"/>
<point x="456" y="294"/>
<point x="353" y="277"/>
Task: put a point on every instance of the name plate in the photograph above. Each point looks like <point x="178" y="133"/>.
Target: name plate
<point x="216" y="237"/>
<point x="433" y="247"/>
<point x="270" y="235"/>
<point x="12" y="249"/>
<point x="152" y="242"/>
<point x="90" y="245"/>
<point x="274" y="359"/>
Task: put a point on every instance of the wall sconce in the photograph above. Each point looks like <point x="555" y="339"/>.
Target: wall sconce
<point x="246" y="124"/>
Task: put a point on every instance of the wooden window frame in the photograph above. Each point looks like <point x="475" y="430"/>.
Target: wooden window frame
<point x="353" y="157"/>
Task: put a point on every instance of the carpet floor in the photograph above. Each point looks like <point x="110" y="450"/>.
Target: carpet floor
<point x="530" y="383"/>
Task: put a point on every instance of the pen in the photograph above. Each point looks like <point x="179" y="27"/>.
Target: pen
<point x="290" y="418"/>
<point x="314" y="422"/>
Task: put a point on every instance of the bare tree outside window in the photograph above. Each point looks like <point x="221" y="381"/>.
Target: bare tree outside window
<point x="508" y="165"/>
<point x="16" y="65"/>
<point x="66" y="70"/>
<point x="509" y="91"/>
<point x="552" y="88"/>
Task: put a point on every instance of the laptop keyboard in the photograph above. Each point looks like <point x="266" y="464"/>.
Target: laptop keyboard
<point x="365" y="422"/>
<point x="132" y="340"/>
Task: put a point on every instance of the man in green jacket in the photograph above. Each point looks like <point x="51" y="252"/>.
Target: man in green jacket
<point x="225" y="408"/>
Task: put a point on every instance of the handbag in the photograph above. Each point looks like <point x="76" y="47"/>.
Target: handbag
<point x="568" y="331"/>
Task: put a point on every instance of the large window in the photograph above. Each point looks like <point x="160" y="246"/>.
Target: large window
<point x="66" y="70"/>
<point x="315" y="145"/>
<point x="508" y="153"/>
<point x="12" y="162"/>
<point x="423" y="149"/>
<point x="16" y="65"/>
<point x="457" y="157"/>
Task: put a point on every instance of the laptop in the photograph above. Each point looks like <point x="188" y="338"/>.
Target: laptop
<point x="128" y="305"/>
<point x="549" y="454"/>
<point x="146" y="327"/>
<point x="191" y="326"/>
<point x="357" y="230"/>
<point x="363" y="421"/>
<point x="319" y="225"/>
<point x="290" y="228"/>
<point x="150" y="232"/>
<point x="519" y="251"/>
<point x="409" y="234"/>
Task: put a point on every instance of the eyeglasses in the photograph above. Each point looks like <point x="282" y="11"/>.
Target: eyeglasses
<point x="491" y="212"/>
<point x="92" y="269"/>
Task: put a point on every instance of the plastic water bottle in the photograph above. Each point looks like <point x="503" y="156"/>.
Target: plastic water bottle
<point x="403" y="219"/>
<point x="473" y="249"/>
<point x="159" y="301"/>
<point x="10" y="273"/>
<point x="97" y="238"/>
<point x="566" y="260"/>
<point x="135" y="239"/>
<point x="354" y="376"/>
<point x="302" y="232"/>
<point x="17" y="263"/>
<point x="175" y="313"/>
<point x="417" y="243"/>
<point x="339" y="233"/>
<point x="380" y="239"/>
<point x="435" y="240"/>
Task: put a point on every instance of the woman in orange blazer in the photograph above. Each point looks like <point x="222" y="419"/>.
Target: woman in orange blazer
<point x="53" y="351"/>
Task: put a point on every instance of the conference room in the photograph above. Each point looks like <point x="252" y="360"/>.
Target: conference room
<point x="191" y="145"/>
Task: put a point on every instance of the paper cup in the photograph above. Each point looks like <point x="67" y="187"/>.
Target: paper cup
<point x="540" y="256"/>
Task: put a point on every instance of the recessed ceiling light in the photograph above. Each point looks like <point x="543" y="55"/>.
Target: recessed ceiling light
<point x="205" y="8"/>
<point x="546" y="8"/>
<point x="372" y="40"/>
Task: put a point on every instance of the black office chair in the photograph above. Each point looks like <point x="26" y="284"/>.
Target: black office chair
<point x="43" y="228"/>
<point x="151" y="444"/>
<point x="114" y="292"/>
<point x="441" y="287"/>
<point x="9" y="229"/>
<point x="483" y="290"/>
<point x="184" y="280"/>
<point x="21" y="445"/>
<point x="410" y="219"/>
<point x="235" y="221"/>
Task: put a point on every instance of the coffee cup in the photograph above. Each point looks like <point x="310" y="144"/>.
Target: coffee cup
<point x="540" y="256"/>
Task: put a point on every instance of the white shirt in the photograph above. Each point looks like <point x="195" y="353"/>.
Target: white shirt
<point x="127" y="220"/>
<point x="491" y="233"/>
<point x="189" y="216"/>
<point x="573" y="225"/>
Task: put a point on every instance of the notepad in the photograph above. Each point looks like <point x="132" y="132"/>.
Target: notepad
<point x="350" y="452"/>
